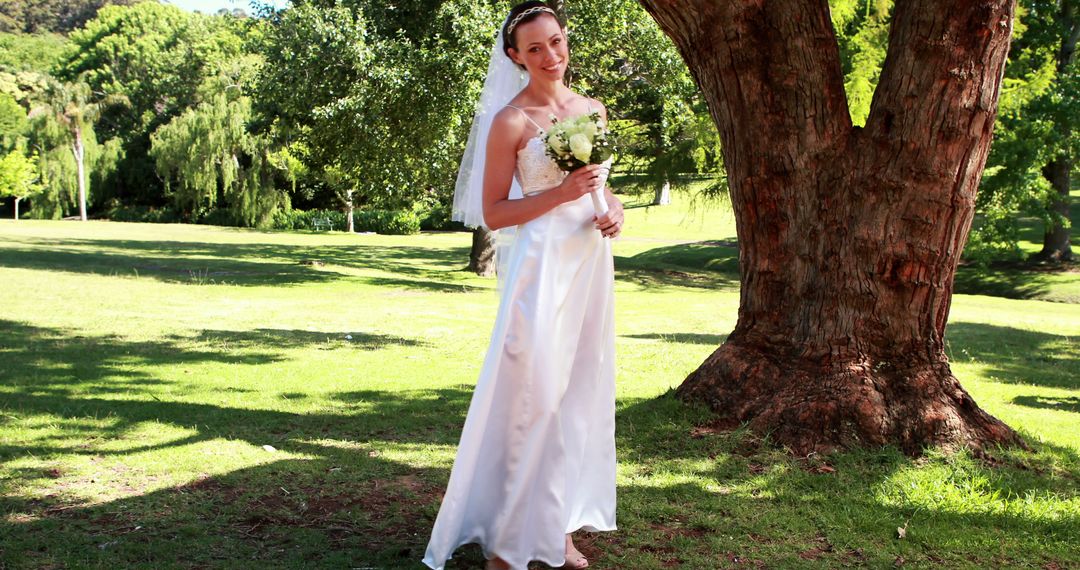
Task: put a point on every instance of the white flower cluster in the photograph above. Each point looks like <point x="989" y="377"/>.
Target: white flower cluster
<point x="578" y="141"/>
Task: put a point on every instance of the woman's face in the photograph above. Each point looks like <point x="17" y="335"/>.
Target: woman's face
<point x="541" y="48"/>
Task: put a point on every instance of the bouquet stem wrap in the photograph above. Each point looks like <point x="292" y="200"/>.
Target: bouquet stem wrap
<point x="578" y="141"/>
<point x="599" y="200"/>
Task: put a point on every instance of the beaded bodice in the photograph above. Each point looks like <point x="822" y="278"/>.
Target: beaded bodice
<point x="535" y="170"/>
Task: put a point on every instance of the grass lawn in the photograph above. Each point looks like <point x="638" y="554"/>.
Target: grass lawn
<point x="1025" y="280"/>
<point x="190" y="396"/>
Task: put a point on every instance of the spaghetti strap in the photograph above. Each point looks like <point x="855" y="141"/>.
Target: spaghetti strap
<point x="526" y="116"/>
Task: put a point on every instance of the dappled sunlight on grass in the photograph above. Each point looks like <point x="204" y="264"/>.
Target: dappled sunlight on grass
<point x="135" y="411"/>
<point x="1007" y="499"/>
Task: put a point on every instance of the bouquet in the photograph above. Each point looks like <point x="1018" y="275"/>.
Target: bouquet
<point x="578" y="141"/>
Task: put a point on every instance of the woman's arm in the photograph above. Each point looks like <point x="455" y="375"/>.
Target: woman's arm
<point x="501" y="212"/>
<point x="610" y="224"/>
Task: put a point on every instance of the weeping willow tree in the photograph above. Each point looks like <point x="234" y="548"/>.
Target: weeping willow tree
<point x="209" y="159"/>
<point x="63" y="136"/>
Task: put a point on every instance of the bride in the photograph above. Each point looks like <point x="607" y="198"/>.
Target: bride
<point x="536" y="460"/>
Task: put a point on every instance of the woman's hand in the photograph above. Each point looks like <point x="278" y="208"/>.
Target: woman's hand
<point x="610" y="224"/>
<point x="581" y="181"/>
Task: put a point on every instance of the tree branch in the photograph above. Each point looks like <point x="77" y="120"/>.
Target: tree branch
<point x="960" y="92"/>
<point x="776" y="65"/>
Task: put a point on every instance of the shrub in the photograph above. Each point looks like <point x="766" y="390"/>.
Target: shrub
<point x="219" y="217"/>
<point x="305" y="219"/>
<point x="438" y="218"/>
<point x="389" y="222"/>
<point x="119" y="213"/>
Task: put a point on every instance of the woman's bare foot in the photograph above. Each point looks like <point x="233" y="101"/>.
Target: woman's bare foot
<point x="575" y="560"/>
<point x="496" y="564"/>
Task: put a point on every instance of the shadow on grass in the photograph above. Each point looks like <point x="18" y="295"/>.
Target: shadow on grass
<point x="367" y="490"/>
<point x="1063" y="403"/>
<point x="249" y="264"/>
<point x="685" y="338"/>
<point x="39" y="360"/>
<point x="1010" y="281"/>
<point x="707" y="264"/>
<point x="288" y="338"/>
<point x="1017" y="356"/>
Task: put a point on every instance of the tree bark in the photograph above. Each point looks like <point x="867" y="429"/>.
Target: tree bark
<point x="663" y="194"/>
<point x="849" y="237"/>
<point x="78" y="150"/>
<point x="1056" y="243"/>
<point x="350" y="208"/>
<point x="482" y="255"/>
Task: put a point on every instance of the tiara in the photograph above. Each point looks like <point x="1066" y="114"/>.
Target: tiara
<point x="517" y="19"/>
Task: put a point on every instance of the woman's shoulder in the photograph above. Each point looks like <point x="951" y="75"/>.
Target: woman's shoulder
<point x="509" y="116"/>
<point x="595" y="105"/>
<point x="508" y="126"/>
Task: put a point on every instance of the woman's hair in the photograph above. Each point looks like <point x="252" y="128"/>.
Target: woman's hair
<point x="516" y="19"/>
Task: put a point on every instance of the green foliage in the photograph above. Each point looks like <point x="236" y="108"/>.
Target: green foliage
<point x="148" y="64"/>
<point x="437" y="218"/>
<point x="50" y="15"/>
<point x="661" y="122"/>
<point x="207" y="156"/>
<point x="62" y="119"/>
<point x="23" y="85"/>
<point x="389" y="222"/>
<point x="1039" y="102"/>
<point x="39" y="52"/>
<point x="305" y="219"/>
<point x="18" y="175"/>
<point x="13" y="123"/>
<point x="388" y="109"/>
<point x="862" y="31"/>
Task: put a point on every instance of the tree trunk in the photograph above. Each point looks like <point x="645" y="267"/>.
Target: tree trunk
<point x="349" y="210"/>
<point x="482" y="255"/>
<point x="849" y="237"/>
<point x="78" y="150"/>
<point x="17" y="208"/>
<point x="663" y="194"/>
<point x="1056" y="243"/>
<point x="1056" y="246"/>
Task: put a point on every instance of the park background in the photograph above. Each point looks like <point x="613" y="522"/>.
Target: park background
<point x="240" y="390"/>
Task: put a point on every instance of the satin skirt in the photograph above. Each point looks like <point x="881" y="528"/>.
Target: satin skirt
<point x="536" y="459"/>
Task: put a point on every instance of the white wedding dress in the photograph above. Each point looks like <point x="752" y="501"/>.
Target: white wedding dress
<point x="536" y="458"/>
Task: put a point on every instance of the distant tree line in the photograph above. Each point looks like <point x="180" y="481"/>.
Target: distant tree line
<point x="342" y="104"/>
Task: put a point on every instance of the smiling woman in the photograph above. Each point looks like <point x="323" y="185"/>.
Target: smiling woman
<point x="536" y="460"/>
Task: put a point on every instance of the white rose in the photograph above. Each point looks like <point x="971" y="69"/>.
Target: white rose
<point x="557" y="144"/>
<point x="589" y="129"/>
<point x="581" y="147"/>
